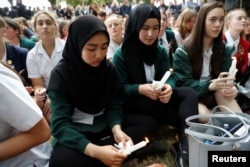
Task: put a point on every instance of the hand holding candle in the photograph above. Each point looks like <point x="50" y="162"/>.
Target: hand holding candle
<point x="129" y="149"/>
<point x="158" y="85"/>
<point x="232" y="70"/>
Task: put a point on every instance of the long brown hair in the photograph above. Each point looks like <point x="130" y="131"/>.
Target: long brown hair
<point x="195" y="43"/>
<point x="183" y="19"/>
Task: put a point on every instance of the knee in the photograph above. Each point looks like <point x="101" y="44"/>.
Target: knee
<point x="203" y="110"/>
<point x="187" y="92"/>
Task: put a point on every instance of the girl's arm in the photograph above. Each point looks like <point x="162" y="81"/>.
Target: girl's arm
<point x="25" y="140"/>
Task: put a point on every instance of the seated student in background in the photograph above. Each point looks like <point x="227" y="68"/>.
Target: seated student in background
<point x="14" y="35"/>
<point x="235" y="23"/>
<point x="12" y="55"/>
<point x="246" y="34"/>
<point x="84" y="90"/>
<point x="43" y="57"/>
<point x="25" y="29"/>
<point x="139" y="61"/>
<point x="24" y="133"/>
<point x="202" y="62"/>
<point x="115" y="29"/>
<point x="63" y="29"/>
<point x="167" y="38"/>
<point x="184" y="25"/>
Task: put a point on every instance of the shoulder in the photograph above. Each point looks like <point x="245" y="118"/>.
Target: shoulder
<point x="27" y="41"/>
<point x="18" y="50"/>
<point x="119" y="59"/>
<point x="60" y="42"/>
<point x="162" y="53"/>
<point x="7" y="75"/>
<point x="21" y="50"/>
<point x="118" y="53"/>
<point x="34" y="50"/>
<point x="181" y="51"/>
<point x="13" y="48"/>
<point x="244" y="42"/>
<point x="175" y="31"/>
<point x="169" y="32"/>
<point x="161" y="49"/>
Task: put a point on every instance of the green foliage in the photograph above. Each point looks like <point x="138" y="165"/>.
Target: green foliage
<point x="53" y="2"/>
<point x="86" y="2"/>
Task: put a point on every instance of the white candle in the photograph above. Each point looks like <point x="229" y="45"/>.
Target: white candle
<point x="165" y="77"/>
<point x="133" y="148"/>
<point x="233" y="70"/>
<point x="157" y="85"/>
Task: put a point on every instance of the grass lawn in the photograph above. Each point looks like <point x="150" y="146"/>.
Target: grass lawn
<point x="168" y="136"/>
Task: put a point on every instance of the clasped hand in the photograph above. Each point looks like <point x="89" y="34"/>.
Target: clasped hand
<point x="163" y="95"/>
<point x="225" y="85"/>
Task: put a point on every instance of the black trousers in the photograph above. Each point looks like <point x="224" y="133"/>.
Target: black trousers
<point x="136" y="126"/>
<point x="183" y="103"/>
<point x="142" y="118"/>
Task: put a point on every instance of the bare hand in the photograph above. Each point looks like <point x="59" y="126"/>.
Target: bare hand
<point x="108" y="155"/>
<point x="40" y="94"/>
<point x="120" y="136"/>
<point x="230" y="93"/>
<point x="166" y="93"/>
<point x="149" y="91"/>
<point x="222" y="82"/>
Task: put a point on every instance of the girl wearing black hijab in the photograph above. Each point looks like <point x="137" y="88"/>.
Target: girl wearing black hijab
<point x="139" y="61"/>
<point x="84" y="90"/>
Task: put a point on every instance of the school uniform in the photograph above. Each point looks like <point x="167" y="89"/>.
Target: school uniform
<point x="241" y="49"/>
<point x="20" y="113"/>
<point x="39" y="64"/>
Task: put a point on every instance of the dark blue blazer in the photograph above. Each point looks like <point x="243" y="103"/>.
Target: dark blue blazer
<point x="16" y="57"/>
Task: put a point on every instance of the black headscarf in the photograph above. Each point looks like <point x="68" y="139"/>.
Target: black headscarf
<point x="87" y="86"/>
<point x="135" y="52"/>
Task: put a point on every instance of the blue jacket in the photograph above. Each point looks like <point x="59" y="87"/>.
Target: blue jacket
<point x="16" y="57"/>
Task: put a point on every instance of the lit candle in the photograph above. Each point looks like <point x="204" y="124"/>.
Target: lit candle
<point x="233" y="70"/>
<point x="157" y="85"/>
<point x="133" y="148"/>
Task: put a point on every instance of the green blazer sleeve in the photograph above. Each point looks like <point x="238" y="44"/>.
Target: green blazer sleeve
<point x="63" y="130"/>
<point x="26" y="43"/>
<point x="129" y="89"/>
<point x="183" y="73"/>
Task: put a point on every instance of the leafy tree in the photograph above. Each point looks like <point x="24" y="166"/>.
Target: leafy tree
<point x="53" y="2"/>
<point x="86" y="2"/>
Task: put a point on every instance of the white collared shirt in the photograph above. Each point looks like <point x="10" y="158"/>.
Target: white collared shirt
<point x="164" y="41"/>
<point x="39" y="64"/>
<point x="149" y="72"/>
<point x="112" y="49"/>
<point x="205" y="74"/>
<point x="230" y="42"/>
